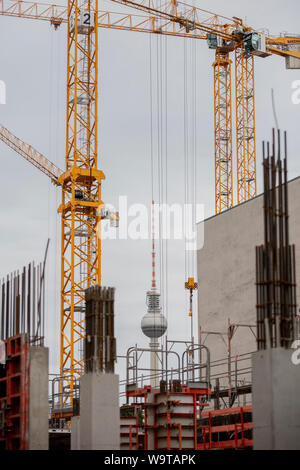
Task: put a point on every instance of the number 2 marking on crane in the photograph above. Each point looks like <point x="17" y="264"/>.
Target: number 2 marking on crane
<point x="87" y="19"/>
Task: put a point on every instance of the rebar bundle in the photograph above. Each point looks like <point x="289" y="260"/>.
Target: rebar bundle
<point x="22" y="306"/>
<point x="275" y="260"/>
<point x="100" y="343"/>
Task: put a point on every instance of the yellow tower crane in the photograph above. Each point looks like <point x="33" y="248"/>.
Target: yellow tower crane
<point x="81" y="179"/>
<point x="229" y="35"/>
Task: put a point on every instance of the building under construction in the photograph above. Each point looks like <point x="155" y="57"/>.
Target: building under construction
<point x="234" y="382"/>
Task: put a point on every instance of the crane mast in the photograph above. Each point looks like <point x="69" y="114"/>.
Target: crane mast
<point x="245" y="119"/>
<point x="81" y="185"/>
<point x="223" y="131"/>
<point x="245" y="125"/>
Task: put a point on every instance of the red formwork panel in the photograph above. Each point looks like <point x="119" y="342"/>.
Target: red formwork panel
<point x="173" y="425"/>
<point x="173" y="419"/>
<point x="229" y="428"/>
<point x="212" y="434"/>
<point x="14" y="395"/>
<point x="129" y="433"/>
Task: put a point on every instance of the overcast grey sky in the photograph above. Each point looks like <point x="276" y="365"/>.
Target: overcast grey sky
<point x="33" y="65"/>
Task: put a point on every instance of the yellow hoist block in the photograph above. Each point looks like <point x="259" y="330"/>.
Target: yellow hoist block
<point x="191" y="284"/>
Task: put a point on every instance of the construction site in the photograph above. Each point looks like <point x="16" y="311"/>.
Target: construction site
<point x="150" y="260"/>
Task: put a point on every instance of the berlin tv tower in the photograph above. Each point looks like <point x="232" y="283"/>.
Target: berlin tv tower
<point x="154" y="323"/>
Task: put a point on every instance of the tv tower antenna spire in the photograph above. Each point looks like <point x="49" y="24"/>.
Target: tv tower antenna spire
<point x="153" y="251"/>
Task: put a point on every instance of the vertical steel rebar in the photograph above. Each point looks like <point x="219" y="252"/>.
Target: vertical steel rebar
<point x="275" y="260"/>
<point x="18" y="308"/>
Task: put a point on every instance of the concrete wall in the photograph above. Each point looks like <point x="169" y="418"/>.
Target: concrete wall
<point x="38" y="398"/>
<point x="226" y="270"/>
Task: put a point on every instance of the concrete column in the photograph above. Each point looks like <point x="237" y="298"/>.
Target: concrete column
<point x="150" y="421"/>
<point x="276" y="402"/>
<point x="38" y="435"/>
<point x="75" y="433"/>
<point x="154" y="363"/>
<point x="99" y="412"/>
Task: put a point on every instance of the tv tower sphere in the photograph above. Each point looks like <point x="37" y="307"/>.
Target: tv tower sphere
<point x="154" y="324"/>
